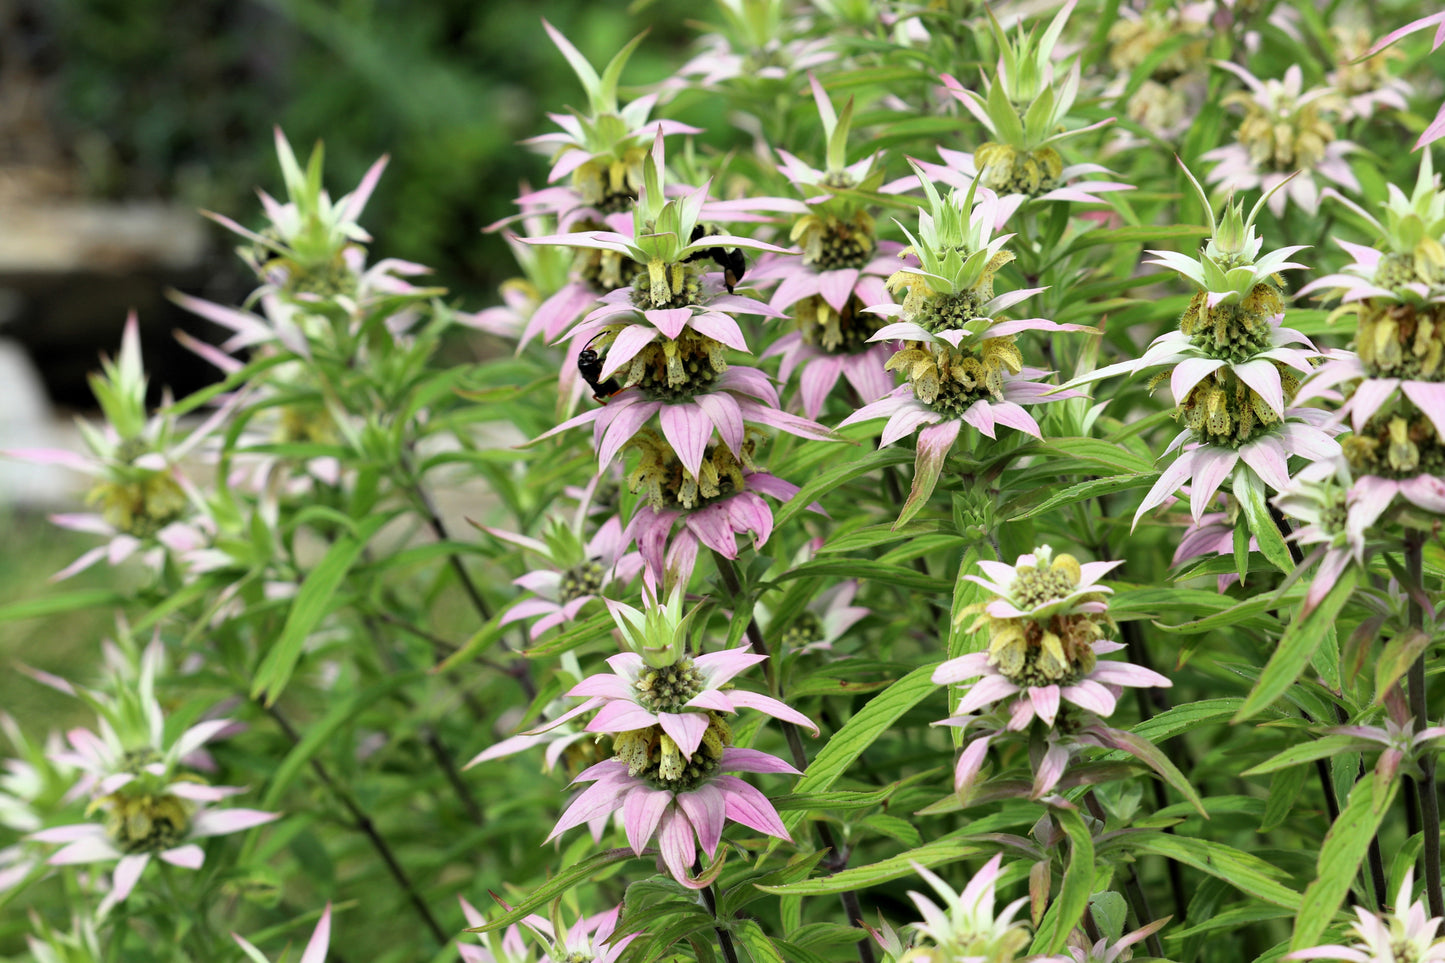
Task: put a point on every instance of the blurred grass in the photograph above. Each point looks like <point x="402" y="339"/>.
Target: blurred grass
<point x="67" y="643"/>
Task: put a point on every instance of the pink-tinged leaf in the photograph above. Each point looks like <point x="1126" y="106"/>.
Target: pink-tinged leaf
<point x="1212" y="465"/>
<point x="712" y="527"/>
<point x="934" y="444"/>
<point x="670" y="321"/>
<point x="623" y="419"/>
<point x="722" y="410"/>
<point x="621" y="717"/>
<point x="629" y="341"/>
<point x="189" y="856"/>
<point x="641" y="812"/>
<point x="836" y="287"/>
<point x="687" y="429"/>
<point x="751" y="760"/>
<point x="706" y="809"/>
<point x="675" y="839"/>
<point x="599" y="799"/>
<point x="1045" y="700"/>
<point x="961" y="669"/>
<point x="1050" y="770"/>
<point x="1189" y="373"/>
<point x="1270" y="461"/>
<point x="218" y="822"/>
<point x="719" y="668"/>
<point x="1369" y="395"/>
<point x="970" y="762"/>
<point x="1150" y="754"/>
<point x="720" y="327"/>
<point x="772" y="707"/>
<point x="320" y="939"/>
<point x="127" y="873"/>
<point x="817" y="382"/>
<point x="1429" y="397"/>
<point x="746" y="805"/>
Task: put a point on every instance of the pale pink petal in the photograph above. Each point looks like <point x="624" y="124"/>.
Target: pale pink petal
<point x="621" y="717"/>
<point x="748" y="806"/>
<point x="688" y="429"/>
<point x="774" y="708"/>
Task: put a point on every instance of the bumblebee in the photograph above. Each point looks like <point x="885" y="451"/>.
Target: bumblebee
<point x="589" y="366"/>
<point x="730" y="260"/>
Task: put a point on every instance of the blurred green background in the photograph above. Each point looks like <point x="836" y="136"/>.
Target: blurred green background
<point x="176" y="100"/>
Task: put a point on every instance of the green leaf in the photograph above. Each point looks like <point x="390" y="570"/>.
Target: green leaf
<point x="759" y="947"/>
<point x="859" y="732"/>
<point x="56" y="604"/>
<point x="742" y="893"/>
<point x="944" y="850"/>
<point x="836" y="801"/>
<point x="1325" y="747"/>
<point x="1245" y="872"/>
<point x="826" y="481"/>
<point x="1344" y="848"/>
<point x="1284" y="790"/>
<point x="1097" y="451"/>
<point x="1250" y="495"/>
<point x="1141" y="235"/>
<point x="1066" y="911"/>
<point x="566" y="878"/>
<point x="311" y="605"/>
<point x="1296" y="647"/>
<point x="320" y="732"/>
<point x="1083" y="491"/>
<point x="873" y="571"/>
<point x="1399" y="654"/>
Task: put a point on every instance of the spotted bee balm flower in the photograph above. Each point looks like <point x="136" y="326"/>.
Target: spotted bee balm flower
<point x="1235" y="368"/>
<point x="1047" y="625"/>
<point x="1395" y="381"/>
<point x="1025" y="111"/>
<point x="1407" y="934"/>
<point x="961" y="359"/>
<point x="667" y="713"/>
<point x="1285" y="129"/>
<point x="965" y="927"/>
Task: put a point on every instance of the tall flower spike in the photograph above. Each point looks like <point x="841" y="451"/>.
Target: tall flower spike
<point x="1235" y="367"/>
<point x="840" y="273"/>
<point x="965" y="927"/>
<point x="1408" y="933"/>
<point x="1046" y="626"/>
<point x="961" y="360"/>
<point x="1396" y="381"/>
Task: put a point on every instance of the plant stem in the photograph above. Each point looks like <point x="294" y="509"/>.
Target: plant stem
<point x="363" y="823"/>
<point x="724" y="938"/>
<point x="1419" y="706"/>
<point x="729" y="573"/>
<point x="519" y="669"/>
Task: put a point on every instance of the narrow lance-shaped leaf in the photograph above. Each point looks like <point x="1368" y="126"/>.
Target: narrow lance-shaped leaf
<point x="1345" y="846"/>
<point x="1296" y="647"/>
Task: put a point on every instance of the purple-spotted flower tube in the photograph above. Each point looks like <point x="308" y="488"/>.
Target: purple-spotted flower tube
<point x="1285" y="129"/>
<point x="666" y="711"/>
